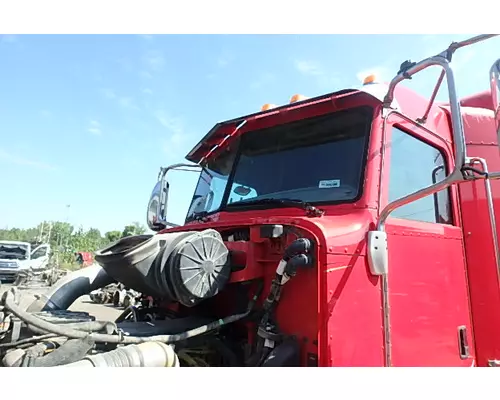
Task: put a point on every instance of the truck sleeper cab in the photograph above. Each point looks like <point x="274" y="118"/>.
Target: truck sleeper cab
<point x="391" y="195"/>
<point x="351" y="180"/>
<point x="356" y="228"/>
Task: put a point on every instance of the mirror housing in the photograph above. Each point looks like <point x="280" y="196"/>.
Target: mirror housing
<point x="495" y="93"/>
<point x="157" y="206"/>
<point x="156" y="210"/>
<point x="378" y="255"/>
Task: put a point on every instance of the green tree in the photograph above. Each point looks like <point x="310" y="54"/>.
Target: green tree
<point x="112" y="236"/>
<point x="135" y="229"/>
<point x="65" y="240"/>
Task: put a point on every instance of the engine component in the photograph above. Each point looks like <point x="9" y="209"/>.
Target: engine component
<point x="71" y="351"/>
<point x="70" y="288"/>
<point x="118" y="297"/>
<point x="287" y="354"/>
<point x="28" y="318"/>
<point x="151" y="354"/>
<point x="69" y="319"/>
<point x="296" y="256"/>
<point x="187" y="267"/>
<point x="161" y="327"/>
<point x="64" y="316"/>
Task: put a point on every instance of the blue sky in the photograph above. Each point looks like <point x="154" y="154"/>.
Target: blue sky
<point x="88" y="120"/>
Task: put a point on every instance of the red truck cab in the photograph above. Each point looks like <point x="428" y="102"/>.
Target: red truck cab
<point x="393" y="190"/>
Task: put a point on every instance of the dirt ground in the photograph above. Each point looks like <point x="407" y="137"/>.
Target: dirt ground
<point x="99" y="311"/>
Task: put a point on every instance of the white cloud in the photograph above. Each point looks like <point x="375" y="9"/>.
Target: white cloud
<point x="224" y="60"/>
<point x="94" y="127"/>
<point x="8" y="38"/>
<point x="174" y="126"/>
<point x="126" y="102"/>
<point x="309" y="67"/>
<point x="170" y="123"/>
<point x="147" y="91"/>
<point x="325" y="79"/>
<point x="145" y="75"/>
<point x="10" y="158"/>
<point x="109" y="93"/>
<point x="154" y="60"/>
<point x="125" y="63"/>
<point x="94" y="131"/>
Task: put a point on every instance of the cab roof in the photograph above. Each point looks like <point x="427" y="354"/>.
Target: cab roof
<point x="406" y="101"/>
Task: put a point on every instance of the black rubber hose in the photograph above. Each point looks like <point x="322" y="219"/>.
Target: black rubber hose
<point x="253" y="360"/>
<point x="301" y="245"/>
<point x="64" y="293"/>
<point x="226" y="353"/>
<point x="100" y="337"/>
<point x="124" y="315"/>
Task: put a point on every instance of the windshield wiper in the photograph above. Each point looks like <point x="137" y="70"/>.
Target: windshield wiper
<point x="309" y="208"/>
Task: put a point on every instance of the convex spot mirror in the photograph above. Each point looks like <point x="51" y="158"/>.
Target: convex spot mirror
<point x="242" y="190"/>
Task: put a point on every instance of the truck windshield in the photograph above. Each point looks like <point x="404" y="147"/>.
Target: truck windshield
<point x="314" y="160"/>
<point x="13" y="251"/>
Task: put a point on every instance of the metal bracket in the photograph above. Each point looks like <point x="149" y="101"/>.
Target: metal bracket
<point x="378" y="257"/>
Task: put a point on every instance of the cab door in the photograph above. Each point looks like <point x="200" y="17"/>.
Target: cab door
<point x="40" y="257"/>
<point x="429" y="306"/>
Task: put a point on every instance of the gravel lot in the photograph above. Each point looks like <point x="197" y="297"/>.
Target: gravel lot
<point x="99" y="311"/>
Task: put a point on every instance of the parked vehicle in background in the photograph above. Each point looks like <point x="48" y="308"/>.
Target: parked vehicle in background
<point x="18" y="256"/>
<point x="84" y="258"/>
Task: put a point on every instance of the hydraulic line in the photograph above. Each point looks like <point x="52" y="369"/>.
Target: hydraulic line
<point x="30" y="319"/>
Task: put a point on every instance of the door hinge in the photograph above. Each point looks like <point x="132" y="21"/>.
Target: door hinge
<point x="463" y="342"/>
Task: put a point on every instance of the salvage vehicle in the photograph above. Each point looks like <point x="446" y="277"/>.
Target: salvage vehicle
<point x="17" y="257"/>
<point x="357" y="228"/>
<point x="84" y="258"/>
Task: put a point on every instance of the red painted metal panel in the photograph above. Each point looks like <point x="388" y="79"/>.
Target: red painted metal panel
<point x="482" y="269"/>
<point x="353" y="318"/>
<point x="428" y="294"/>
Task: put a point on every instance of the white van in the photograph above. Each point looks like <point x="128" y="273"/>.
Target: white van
<point x="17" y="256"/>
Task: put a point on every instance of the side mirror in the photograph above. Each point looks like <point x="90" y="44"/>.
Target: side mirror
<point x="378" y="255"/>
<point x="495" y="93"/>
<point x="157" y="205"/>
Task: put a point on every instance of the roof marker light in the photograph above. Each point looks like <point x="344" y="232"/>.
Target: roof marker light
<point x="370" y="79"/>
<point x="267" y="106"/>
<point x="297" y="97"/>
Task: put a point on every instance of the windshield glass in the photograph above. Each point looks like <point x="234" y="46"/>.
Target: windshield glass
<point x="212" y="183"/>
<point x="315" y="160"/>
<point x="13" y="251"/>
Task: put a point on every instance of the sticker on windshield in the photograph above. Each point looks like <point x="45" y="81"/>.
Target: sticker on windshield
<point x="332" y="183"/>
